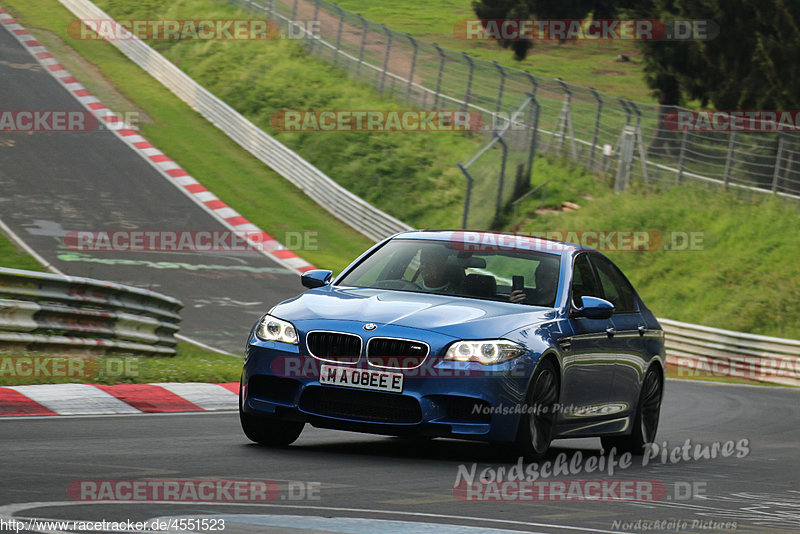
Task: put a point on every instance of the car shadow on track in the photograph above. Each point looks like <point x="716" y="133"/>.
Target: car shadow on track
<point x="421" y="449"/>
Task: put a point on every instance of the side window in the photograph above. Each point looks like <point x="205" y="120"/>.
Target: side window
<point x="617" y="290"/>
<point x="584" y="282"/>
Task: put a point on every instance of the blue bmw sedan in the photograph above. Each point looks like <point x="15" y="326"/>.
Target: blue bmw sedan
<point x="472" y="335"/>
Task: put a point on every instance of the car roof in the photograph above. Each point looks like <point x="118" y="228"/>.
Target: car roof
<point x="483" y="240"/>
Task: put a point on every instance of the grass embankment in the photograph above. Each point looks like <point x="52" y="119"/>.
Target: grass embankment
<point x="741" y="274"/>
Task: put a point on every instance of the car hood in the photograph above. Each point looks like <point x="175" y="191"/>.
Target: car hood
<point x="455" y="316"/>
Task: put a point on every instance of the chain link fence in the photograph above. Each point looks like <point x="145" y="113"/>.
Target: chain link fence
<point x="524" y="114"/>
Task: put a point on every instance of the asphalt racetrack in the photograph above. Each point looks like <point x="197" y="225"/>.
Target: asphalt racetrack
<point x="351" y="483"/>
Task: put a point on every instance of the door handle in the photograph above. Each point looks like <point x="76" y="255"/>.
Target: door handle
<point x="611" y="331"/>
<point x="642" y="329"/>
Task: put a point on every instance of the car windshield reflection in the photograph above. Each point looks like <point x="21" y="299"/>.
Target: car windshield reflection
<point x="423" y="266"/>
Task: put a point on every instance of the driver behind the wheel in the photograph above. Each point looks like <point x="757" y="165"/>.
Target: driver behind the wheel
<point x="433" y="270"/>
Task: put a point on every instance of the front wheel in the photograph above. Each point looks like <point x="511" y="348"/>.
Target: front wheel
<point x="645" y="424"/>
<point x="268" y="431"/>
<point x="537" y="423"/>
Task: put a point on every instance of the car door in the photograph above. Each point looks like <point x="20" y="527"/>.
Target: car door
<point x="627" y="338"/>
<point x="588" y="362"/>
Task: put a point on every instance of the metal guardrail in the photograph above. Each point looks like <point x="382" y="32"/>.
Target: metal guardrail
<point x="341" y="203"/>
<point x="42" y="310"/>
<point x="706" y="351"/>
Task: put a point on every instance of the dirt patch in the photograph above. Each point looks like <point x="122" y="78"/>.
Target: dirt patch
<point x="607" y="73"/>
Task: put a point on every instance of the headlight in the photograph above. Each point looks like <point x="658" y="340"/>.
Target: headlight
<point x="274" y="329"/>
<point x="486" y="352"/>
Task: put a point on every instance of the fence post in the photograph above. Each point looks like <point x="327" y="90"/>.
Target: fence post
<point x="294" y="12"/>
<point x="777" y="171"/>
<point x="468" y="92"/>
<point x="596" y="126"/>
<point x="565" y="119"/>
<point x="682" y="156"/>
<point x="363" y="43"/>
<point x="310" y="35"/>
<point x="338" y="35"/>
<point x="533" y="82"/>
<point x="729" y="158"/>
<point x="467" y="196"/>
<point x="442" y="57"/>
<point x="627" y="111"/>
<point x="626" y="158"/>
<point x="386" y="56"/>
<point x="534" y="123"/>
<point x="413" y="65"/>
<point x="642" y="155"/>
<point x="502" y="72"/>
<point x="499" y="205"/>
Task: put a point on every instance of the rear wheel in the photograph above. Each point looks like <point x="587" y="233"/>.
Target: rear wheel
<point x="645" y="424"/>
<point x="537" y="423"/>
<point x="268" y="431"/>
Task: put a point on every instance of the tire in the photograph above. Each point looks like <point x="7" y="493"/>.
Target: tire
<point x="645" y="424"/>
<point x="268" y="431"/>
<point x="536" y="427"/>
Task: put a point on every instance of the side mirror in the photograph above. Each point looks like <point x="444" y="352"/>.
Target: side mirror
<point x="596" y="308"/>
<point x="316" y="278"/>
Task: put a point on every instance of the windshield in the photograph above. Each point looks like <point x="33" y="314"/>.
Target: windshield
<point x="518" y="276"/>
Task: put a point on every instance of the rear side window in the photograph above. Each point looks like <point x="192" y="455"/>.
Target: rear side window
<point x="616" y="288"/>
<point x="584" y="282"/>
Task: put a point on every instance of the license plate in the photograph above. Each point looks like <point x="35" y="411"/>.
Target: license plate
<point x="361" y="378"/>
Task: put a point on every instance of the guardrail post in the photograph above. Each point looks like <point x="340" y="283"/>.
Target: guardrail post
<point x="413" y="65"/>
<point x="729" y="158"/>
<point x="778" y="156"/>
<point x="442" y="58"/>
<point x="599" y="112"/>
<point x="682" y="157"/>
<point x="468" y="92"/>
<point x="363" y="43"/>
<point x="467" y="196"/>
<point x="338" y="34"/>
<point x="385" y="56"/>
<point x="502" y="72"/>
<point x="499" y="203"/>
